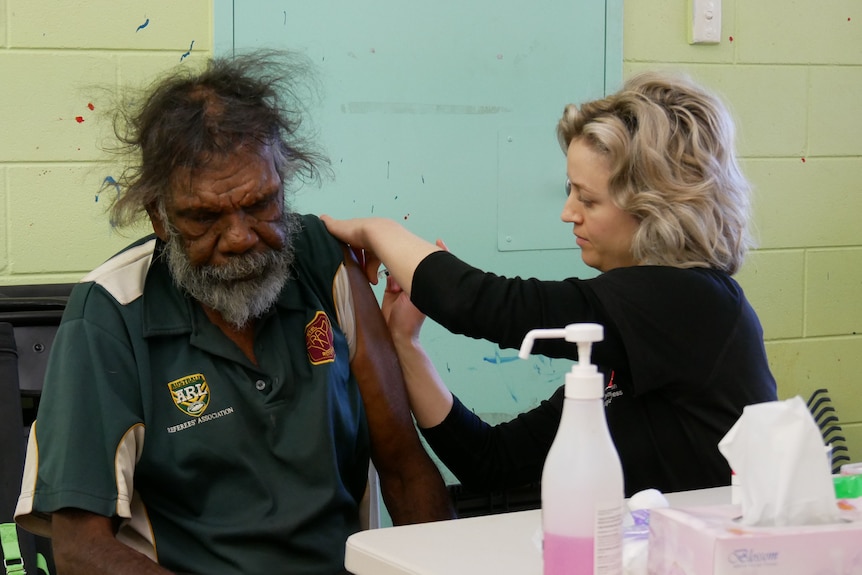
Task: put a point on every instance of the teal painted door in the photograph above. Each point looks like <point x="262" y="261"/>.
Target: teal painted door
<point x="442" y="115"/>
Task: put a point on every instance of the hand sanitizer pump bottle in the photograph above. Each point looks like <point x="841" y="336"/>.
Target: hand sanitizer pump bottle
<point x="582" y="481"/>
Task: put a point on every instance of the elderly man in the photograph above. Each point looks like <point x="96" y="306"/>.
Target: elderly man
<point x="215" y="389"/>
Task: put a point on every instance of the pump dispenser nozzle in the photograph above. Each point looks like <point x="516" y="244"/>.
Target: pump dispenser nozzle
<point x="584" y="381"/>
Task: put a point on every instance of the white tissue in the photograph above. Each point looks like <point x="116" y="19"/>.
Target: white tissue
<point x="648" y="499"/>
<point x="636" y="530"/>
<point x="785" y="478"/>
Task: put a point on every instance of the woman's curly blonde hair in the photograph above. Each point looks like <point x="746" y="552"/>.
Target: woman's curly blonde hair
<point x="669" y="143"/>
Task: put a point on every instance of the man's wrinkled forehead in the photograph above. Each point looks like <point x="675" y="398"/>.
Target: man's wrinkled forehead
<point x="214" y="165"/>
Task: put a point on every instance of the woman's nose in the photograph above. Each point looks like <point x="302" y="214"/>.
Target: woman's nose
<point x="571" y="211"/>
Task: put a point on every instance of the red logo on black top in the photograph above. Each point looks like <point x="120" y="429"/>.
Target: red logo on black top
<point x="318" y="340"/>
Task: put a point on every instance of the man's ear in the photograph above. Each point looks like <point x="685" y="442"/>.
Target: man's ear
<point x="159" y="226"/>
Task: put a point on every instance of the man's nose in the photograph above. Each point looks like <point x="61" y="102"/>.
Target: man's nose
<point x="238" y="235"/>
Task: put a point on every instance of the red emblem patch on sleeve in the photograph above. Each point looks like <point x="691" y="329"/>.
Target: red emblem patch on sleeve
<point x="318" y="340"/>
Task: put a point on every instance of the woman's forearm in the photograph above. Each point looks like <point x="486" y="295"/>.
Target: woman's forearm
<point x="400" y="250"/>
<point x="430" y="399"/>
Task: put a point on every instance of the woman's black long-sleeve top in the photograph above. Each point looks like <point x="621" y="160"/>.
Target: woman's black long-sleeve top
<point x="683" y="354"/>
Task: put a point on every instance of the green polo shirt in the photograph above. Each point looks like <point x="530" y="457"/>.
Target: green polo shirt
<point x="150" y="413"/>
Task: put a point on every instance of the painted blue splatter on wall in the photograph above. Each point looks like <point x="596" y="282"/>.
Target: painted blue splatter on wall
<point x="144" y="25"/>
<point x="500" y="359"/>
<point x="186" y="55"/>
<point x="109" y="182"/>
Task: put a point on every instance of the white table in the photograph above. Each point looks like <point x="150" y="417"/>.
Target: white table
<point x="502" y="544"/>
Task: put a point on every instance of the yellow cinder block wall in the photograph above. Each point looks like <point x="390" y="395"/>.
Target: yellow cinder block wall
<point x="60" y="64"/>
<point x="790" y="69"/>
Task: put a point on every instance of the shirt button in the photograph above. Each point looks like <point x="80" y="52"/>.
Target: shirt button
<point x="260" y="384"/>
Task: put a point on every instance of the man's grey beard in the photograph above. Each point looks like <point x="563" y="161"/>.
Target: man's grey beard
<point x="220" y="287"/>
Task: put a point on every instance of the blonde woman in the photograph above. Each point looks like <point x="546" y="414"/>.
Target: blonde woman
<point x="659" y="205"/>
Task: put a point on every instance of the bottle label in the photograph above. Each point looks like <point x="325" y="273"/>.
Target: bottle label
<point x="609" y="540"/>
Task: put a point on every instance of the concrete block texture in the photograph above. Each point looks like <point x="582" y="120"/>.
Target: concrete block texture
<point x="799" y="32"/>
<point x="84" y="24"/>
<point x="657" y="31"/>
<point x="835" y="123"/>
<point x="802" y="366"/>
<point x="833" y="295"/>
<point x="137" y="70"/>
<point x="50" y="108"/>
<point x="3" y="22"/>
<point x="60" y="65"/>
<point x="853" y="434"/>
<point x="807" y="202"/>
<point x="769" y="105"/>
<point x="60" y="224"/>
<point x="773" y="284"/>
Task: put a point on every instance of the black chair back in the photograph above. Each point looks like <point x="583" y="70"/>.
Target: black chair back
<point x="29" y="317"/>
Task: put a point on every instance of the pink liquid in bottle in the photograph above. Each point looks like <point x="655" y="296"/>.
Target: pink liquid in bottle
<point x="567" y="555"/>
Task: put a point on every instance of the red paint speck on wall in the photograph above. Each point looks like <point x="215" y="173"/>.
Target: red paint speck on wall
<point x="79" y="119"/>
<point x="731" y="38"/>
<point x="91" y="106"/>
<point x="803" y="160"/>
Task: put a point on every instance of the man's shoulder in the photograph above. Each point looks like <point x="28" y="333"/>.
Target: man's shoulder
<point x="316" y="249"/>
<point x="123" y="276"/>
<point x="313" y="232"/>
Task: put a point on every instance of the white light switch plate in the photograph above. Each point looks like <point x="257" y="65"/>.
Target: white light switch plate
<point x="704" y="21"/>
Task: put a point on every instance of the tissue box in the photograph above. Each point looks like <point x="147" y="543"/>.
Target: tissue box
<point x="709" y="541"/>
